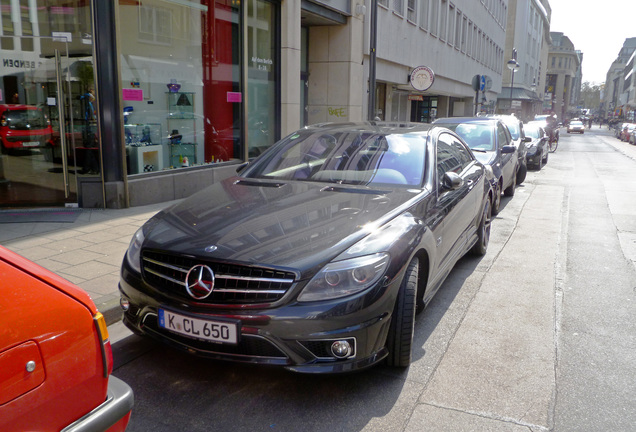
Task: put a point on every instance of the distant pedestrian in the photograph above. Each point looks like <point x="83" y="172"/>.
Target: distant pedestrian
<point x="590" y="123"/>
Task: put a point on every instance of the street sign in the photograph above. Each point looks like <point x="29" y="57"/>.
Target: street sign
<point x="422" y="78"/>
<point x="482" y="83"/>
<point x="476" y="81"/>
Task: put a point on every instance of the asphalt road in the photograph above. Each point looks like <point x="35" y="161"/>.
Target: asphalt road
<point x="538" y="335"/>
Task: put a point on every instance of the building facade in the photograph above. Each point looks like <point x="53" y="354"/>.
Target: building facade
<point x="619" y="97"/>
<point x="112" y="104"/>
<point x="131" y="102"/>
<point x="563" y="68"/>
<point x="527" y="41"/>
<point x="451" y="43"/>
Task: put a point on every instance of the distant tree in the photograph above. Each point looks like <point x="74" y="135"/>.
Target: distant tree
<point x="591" y="96"/>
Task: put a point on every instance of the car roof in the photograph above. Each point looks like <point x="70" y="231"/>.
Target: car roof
<point x="457" y="120"/>
<point x="372" y="127"/>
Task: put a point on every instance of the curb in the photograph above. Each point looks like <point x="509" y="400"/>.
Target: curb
<point x="111" y="310"/>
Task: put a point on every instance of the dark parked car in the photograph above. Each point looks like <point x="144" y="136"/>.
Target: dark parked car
<point x="55" y="356"/>
<point x="491" y="142"/>
<point x="537" y="155"/>
<point x="316" y="255"/>
<point x="519" y="140"/>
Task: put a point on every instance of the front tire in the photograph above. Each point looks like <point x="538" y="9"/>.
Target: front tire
<point x="399" y="341"/>
<point x="483" y="231"/>
<point x="510" y="190"/>
<point x="521" y="174"/>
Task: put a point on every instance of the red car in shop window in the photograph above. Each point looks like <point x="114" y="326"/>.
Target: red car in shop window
<point x="55" y="355"/>
<point x="24" y="127"/>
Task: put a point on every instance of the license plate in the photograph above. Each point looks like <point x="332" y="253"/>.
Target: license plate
<point x="30" y="143"/>
<point x="197" y="328"/>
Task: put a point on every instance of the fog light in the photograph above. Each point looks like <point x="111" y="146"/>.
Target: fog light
<point x="124" y="303"/>
<point x="341" y="349"/>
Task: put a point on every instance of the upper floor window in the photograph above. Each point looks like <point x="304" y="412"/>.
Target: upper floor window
<point x="155" y="25"/>
<point x="411" y="10"/>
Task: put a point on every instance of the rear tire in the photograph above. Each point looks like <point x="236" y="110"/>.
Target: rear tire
<point x="399" y="341"/>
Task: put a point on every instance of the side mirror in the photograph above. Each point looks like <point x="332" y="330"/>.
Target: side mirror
<point x="526" y="139"/>
<point x="507" y="149"/>
<point x="242" y="166"/>
<point x="452" y="181"/>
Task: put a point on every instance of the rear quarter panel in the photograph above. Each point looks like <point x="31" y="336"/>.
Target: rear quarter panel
<point x="48" y="314"/>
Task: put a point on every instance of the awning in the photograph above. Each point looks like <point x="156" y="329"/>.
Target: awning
<point x="518" y="94"/>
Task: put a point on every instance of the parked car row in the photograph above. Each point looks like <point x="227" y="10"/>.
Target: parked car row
<point x="317" y="255"/>
<point x="626" y="132"/>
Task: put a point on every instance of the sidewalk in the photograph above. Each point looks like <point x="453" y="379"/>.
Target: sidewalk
<point x="87" y="252"/>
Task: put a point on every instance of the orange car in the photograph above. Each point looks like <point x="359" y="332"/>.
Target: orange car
<point x="55" y="355"/>
<point x="23" y="127"/>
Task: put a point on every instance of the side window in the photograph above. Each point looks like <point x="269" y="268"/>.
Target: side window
<point x="447" y="157"/>
<point x="503" y="136"/>
<point x="452" y="155"/>
<point x="463" y="152"/>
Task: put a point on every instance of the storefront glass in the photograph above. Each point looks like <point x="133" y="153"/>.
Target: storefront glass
<point x="263" y="65"/>
<point x="424" y="111"/>
<point x="48" y="111"/>
<point x="180" y="83"/>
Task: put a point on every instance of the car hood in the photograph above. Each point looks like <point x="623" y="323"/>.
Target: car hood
<point x="286" y="224"/>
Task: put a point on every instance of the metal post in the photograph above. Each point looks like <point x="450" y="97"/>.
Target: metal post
<point x="372" y="57"/>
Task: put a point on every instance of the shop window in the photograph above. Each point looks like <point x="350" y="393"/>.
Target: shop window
<point x="399" y="106"/>
<point x="180" y="83"/>
<point x="262" y="62"/>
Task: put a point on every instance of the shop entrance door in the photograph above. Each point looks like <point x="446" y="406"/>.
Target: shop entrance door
<point x="48" y="125"/>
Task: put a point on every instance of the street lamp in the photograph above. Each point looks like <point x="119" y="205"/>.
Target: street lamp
<point x="513" y="65"/>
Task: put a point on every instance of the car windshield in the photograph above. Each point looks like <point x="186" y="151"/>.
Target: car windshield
<point x="532" y="131"/>
<point x="478" y="136"/>
<point x="24" y="119"/>
<point x="513" y="127"/>
<point x="346" y="157"/>
<point x="576" y="123"/>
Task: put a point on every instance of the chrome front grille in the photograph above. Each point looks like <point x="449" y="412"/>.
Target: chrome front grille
<point x="234" y="284"/>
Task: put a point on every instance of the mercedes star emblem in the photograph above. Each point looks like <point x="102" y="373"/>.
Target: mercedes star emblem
<point x="200" y="281"/>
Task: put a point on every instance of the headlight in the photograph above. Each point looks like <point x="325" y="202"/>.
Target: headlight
<point x="133" y="255"/>
<point x="343" y="278"/>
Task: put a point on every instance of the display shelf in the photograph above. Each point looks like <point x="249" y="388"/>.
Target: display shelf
<point x="181" y="105"/>
<point x="179" y="151"/>
<point x="145" y="158"/>
<point x="142" y="134"/>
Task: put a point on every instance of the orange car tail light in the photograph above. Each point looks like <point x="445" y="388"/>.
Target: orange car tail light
<point x="107" y="351"/>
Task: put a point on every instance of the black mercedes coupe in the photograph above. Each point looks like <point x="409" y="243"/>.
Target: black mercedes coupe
<point x="317" y="255"/>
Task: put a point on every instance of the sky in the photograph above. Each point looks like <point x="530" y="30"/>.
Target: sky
<point x="597" y="28"/>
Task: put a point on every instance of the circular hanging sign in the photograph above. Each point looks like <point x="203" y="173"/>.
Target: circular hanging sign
<point x="422" y="78"/>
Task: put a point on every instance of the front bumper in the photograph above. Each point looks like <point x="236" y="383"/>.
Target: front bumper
<point x="296" y="336"/>
<point x="533" y="156"/>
